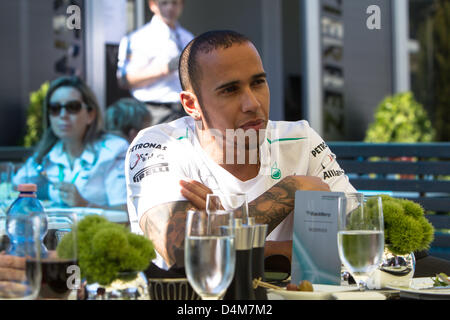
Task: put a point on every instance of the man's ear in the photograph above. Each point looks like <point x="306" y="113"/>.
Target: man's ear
<point x="190" y="104"/>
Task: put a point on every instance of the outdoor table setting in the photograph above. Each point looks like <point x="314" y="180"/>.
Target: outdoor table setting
<point x="94" y="251"/>
<point x="116" y="216"/>
<point x="422" y="288"/>
<point x="371" y="251"/>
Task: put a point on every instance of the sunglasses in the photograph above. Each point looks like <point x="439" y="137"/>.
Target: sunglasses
<point x="72" y="107"/>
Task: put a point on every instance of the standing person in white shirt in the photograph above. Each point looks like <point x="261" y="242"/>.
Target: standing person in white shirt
<point x="76" y="163"/>
<point x="170" y="168"/>
<point x="148" y="60"/>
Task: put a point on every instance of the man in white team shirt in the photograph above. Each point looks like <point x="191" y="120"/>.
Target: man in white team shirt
<point x="172" y="167"/>
<point x="148" y="60"/>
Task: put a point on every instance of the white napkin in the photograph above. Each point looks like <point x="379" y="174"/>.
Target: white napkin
<point x="357" y="295"/>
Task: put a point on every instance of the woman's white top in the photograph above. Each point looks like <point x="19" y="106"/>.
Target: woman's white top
<point x="98" y="173"/>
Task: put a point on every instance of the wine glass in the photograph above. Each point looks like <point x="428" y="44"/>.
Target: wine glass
<point x="209" y="252"/>
<point x="236" y="202"/>
<point x="60" y="271"/>
<point x="360" y="235"/>
<point x="20" y="268"/>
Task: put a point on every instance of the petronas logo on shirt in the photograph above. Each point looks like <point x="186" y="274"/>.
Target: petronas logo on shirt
<point x="275" y="173"/>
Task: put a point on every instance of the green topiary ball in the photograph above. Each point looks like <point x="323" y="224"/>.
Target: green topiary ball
<point x="406" y="229"/>
<point x="107" y="249"/>
<point x="405" y="235"/>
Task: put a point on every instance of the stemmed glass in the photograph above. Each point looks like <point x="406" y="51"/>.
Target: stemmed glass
<point x="236" y="202"/>
<point x="209" y="252"/>
<point x="20" y="268"/>
<point x="360" y="235"/>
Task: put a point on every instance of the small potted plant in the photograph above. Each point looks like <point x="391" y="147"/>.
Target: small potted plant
<point x="110" y="257"/>
<point x="400" y="118"/>
<point x="406" y="230"/>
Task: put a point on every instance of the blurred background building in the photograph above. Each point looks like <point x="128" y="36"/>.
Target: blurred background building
<point x="328" y="61"/>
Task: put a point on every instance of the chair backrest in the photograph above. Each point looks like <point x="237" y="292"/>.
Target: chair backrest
<point x="15" y="154"/>
<point x="415" y="171"/>
<point x="422" y="169"/>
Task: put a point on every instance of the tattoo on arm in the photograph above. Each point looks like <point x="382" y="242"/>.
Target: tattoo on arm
<point x="275" y="204"/>
<point x="165" y="226"/>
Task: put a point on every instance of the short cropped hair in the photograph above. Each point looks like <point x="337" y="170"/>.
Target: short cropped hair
<point x="126" y="114"/>
<point x="189" y="68"/>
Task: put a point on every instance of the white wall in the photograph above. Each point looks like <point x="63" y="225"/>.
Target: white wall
<point x="105" y="23"/>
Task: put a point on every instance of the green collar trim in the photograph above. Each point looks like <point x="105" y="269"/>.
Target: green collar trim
<point x="284" y="139"/>
<point x="184" y="137"/>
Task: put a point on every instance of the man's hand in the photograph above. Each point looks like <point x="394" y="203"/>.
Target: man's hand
<point x="12" y="268"/>
<point x="195" y="192"/>
<point x="149" y="74"/>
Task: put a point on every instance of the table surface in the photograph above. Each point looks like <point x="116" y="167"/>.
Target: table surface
<point x="390" y="294"/>
<point x="112" y="215"/>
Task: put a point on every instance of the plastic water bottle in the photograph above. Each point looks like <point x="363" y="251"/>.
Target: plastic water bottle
<point x="25" y="205"/>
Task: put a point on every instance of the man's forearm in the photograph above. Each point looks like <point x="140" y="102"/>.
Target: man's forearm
<point x="165" y="226"/>
<point x="275" y="204"/>
<point x="147" y="76"/>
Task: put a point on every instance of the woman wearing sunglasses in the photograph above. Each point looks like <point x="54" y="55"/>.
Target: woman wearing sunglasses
<point x="76" y="163"/>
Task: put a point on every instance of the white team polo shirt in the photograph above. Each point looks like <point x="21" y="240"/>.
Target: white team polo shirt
<point x="155" y="42"/>
<point x="98" y="173"/>
<point x="162" y="155"/>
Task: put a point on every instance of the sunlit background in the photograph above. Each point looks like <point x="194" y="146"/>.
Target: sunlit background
<point x="324" y="63"/>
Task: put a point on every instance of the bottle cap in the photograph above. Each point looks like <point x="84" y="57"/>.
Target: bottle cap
<point x="259" y="239"/>
<point x="243" y="235"/>
<point x="27" y="187"/>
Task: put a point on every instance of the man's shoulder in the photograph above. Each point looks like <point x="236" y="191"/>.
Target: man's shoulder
<point x="164" y="133"/>
<point x="289" y="129"/>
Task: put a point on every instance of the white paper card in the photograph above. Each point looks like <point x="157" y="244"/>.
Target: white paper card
<point x="315" y="254"/>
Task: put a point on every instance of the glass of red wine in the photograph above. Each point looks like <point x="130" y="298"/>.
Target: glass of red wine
<point x="60" y="270"/>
